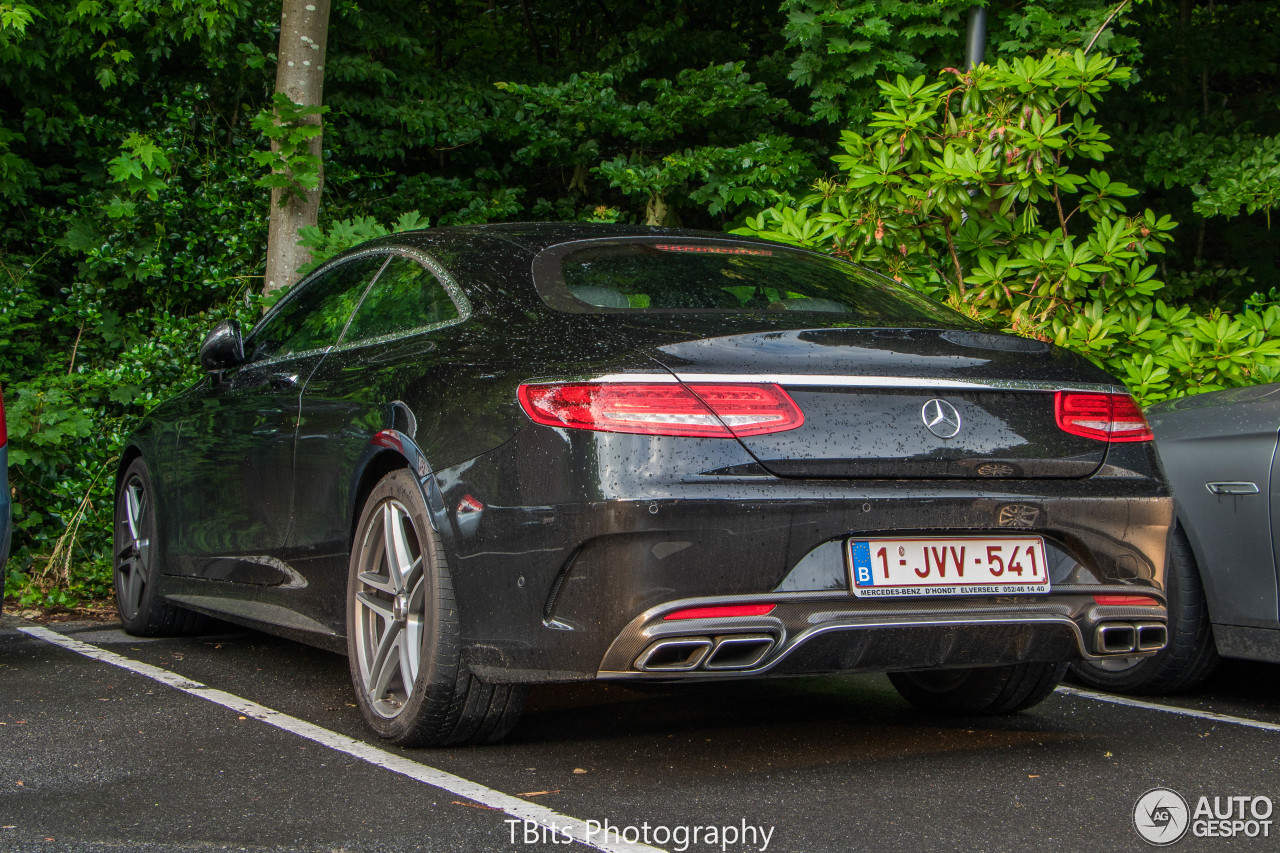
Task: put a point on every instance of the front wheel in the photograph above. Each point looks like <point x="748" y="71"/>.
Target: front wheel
<point x="142" y="608"/>
<point x="403" y="637"/>
<point x="985" y="690"/>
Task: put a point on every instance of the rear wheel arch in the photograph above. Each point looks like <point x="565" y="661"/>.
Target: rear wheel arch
<point x="1191" y="540"/>
<point x="379" y="466"/>
<point x="423" y="694"/>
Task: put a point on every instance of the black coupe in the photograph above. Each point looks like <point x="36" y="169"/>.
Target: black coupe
<point x="479" y="458"/>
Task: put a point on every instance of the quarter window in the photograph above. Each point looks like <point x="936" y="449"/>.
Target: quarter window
<point x="406" y="296"/>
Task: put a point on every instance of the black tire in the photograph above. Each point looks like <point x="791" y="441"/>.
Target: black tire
<point x="136" y="548"/>
<point x="984" y="690"/>
<point x="1191" y="655"/>
<point x="435" y="701"/>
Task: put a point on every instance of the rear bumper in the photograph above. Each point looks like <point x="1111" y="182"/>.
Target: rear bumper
<point x="561" y="578"/>
<point x="809" y="634"/>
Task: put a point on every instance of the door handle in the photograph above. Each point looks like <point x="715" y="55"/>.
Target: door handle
<point x="283" y="381"/>
<point x="1232" y="488"/>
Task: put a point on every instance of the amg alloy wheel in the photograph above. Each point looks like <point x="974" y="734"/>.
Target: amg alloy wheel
<point x="133" y="546"/>
<point x="388" y="610"/>
<point x="143" y="609"/>
<point x="402" y="631"/>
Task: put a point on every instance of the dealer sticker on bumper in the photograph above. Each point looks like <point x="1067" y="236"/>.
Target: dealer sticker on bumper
<point x="915" y="567"/>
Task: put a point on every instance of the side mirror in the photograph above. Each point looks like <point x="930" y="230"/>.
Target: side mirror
<point x="223" y="347"/>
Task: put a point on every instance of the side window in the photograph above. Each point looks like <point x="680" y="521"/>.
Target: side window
<point x="314" y="317"/>
<point x="406" y="296"/>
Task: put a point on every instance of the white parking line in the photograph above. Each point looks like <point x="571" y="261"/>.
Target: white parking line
<point x="1170" y="709"/>
<point x="565" y="826"/>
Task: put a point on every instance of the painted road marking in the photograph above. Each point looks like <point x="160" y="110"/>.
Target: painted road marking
<point x="567" y="827"/>
<point x="1170" y="709"/>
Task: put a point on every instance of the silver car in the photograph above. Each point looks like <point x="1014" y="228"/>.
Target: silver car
<point x="1219" y="453"/>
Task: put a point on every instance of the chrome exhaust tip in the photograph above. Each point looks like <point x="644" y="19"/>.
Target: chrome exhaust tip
<point x="742" y="651"/>
<point x="678" y="654"/>
<point x="1115" y="638"/>
<point x="1152" y="636"/>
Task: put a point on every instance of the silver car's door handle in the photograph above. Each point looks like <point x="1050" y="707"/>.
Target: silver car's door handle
<point x="1232" y="488"/>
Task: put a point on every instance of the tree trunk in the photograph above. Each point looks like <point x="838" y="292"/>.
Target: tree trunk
<point x="304" y="28"/>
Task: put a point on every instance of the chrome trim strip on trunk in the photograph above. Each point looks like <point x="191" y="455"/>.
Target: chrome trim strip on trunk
<point x="845" y="381"/>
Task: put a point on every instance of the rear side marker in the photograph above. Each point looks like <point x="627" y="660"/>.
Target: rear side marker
<point x="1126" y="600"/>
<point x="721" y="611"/>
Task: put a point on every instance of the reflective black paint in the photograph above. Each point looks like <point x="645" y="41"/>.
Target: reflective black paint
<point x="222" y="347"/>
<point x="261" y="468"/>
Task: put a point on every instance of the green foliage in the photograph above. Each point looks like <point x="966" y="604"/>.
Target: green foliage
<point x="14" y="19"/>
<point x="324" y="243"/>
<point x="1198" y="135"/>
<point x="1249" y="178"/>
<point x="841" y="49"/>
<point x="133" y="177"/>
<point x="291" y="129"/>
<point x="577" y="123"/>
<point x="510" y="130"/>
<point x="139" y="229"/>
<point x="972" y="189"/>
<point x="66" y="431"/>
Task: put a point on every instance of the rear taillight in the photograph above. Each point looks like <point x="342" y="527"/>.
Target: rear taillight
<point x="711" y="411"/>
<point x="1106" y="417"/>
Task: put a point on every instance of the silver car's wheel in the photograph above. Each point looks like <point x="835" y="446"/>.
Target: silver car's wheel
<point x="403" y="634"/>
<point x="389" y="609"/>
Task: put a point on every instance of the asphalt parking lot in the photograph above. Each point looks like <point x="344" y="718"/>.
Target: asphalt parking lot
<point x="240" y="741"/>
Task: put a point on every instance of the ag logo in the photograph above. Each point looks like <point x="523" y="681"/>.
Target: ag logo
<point x="1161" y="816"/>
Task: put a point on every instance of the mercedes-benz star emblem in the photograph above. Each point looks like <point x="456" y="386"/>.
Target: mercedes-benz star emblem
<point x="941" y="418"/>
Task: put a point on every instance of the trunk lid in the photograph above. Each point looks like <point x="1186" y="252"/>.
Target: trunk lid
<point x="902" y="403"/>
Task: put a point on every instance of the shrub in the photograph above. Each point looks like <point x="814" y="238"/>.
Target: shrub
<point x="978" y="189"/>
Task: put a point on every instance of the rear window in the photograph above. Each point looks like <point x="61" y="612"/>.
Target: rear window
<point x="669" y="275"/>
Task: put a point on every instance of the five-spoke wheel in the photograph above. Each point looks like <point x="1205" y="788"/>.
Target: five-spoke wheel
<point x="388" y="629"/>
<point x="132" y="544"/>
<point x="142" y="607"/>
<point x="403" y="636"/>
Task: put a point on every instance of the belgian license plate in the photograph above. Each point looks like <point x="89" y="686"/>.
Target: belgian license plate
<point x="916" y="567"/>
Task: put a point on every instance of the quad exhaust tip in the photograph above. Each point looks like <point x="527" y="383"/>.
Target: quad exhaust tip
<point x="1118" y="638"/>
<point x="676" y="655"/>
<point x="741" y="652"/>
<point x="1152" y="637"/>
<point x="684" y="654"/>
